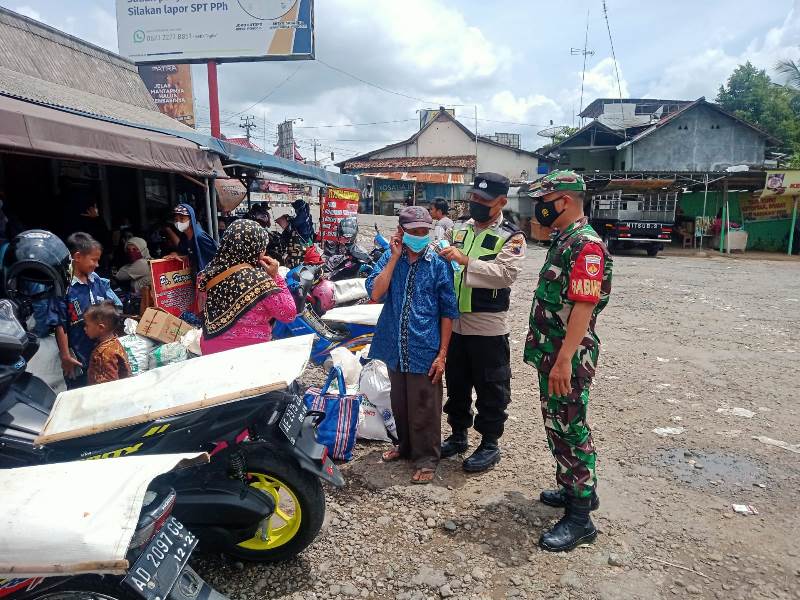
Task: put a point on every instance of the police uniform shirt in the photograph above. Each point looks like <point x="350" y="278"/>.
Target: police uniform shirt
<point x="499" y="273"/>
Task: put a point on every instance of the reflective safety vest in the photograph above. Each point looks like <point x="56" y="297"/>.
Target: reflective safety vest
<point x="484" y="246"/>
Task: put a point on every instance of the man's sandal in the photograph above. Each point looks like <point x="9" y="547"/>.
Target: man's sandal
<point x="391" y="455"/>
<point x="423" y="476"/>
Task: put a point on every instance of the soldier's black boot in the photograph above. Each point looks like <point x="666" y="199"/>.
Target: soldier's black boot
<point x="558" y="498"/>
<point x="484" y="458"/>
<point x="457" y="443"/>
<point x="574" y="528"/>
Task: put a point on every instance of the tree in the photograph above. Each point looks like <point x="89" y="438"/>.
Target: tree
<point x="751" y="95"/>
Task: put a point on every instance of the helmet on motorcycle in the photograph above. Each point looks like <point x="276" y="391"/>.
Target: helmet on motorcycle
<point x="348" y="230"/>
<point x="36" y="263"/>
<point x="323" y="296"/>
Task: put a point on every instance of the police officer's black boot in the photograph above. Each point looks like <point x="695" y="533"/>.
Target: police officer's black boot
<point x="457" y="443"/>
<point x="558" y="498"/>
<point x="574" y="528"/>
<point x="484" y="458"/>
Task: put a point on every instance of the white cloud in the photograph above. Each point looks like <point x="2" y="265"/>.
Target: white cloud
<point x="29" y="12"/>
<point x="701" y="73"/>
<point x="601" y="82"/>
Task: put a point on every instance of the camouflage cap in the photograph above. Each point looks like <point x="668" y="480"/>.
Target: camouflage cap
<point x="558" y="181"/>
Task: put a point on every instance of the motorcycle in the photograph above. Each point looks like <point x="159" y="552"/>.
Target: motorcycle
<point x="157" y="556"/>
<point x="259" y="499"/>
<point x="350" y="260"/>
<point x="311" y="317"/>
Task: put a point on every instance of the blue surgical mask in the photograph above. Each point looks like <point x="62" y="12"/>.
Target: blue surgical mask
<point x="416" y="243"/>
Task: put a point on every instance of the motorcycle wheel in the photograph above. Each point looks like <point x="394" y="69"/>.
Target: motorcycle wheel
<point x="88" y="587"/>
<point x="300" y="508"/>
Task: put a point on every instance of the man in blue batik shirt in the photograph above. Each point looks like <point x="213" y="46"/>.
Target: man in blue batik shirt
<point x="412" y="336"/>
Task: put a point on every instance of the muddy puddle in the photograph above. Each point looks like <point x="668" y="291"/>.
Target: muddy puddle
<point x="713" y="469"/>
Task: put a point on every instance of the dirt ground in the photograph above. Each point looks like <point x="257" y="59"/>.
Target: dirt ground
<point x="707" y="346"/>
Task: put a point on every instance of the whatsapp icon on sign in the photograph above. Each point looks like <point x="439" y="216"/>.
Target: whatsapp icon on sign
<point x="138" y="36"/>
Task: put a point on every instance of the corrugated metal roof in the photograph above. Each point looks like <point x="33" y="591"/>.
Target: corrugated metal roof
<point x="411" y="162"/>
<point x="49" y="67"/>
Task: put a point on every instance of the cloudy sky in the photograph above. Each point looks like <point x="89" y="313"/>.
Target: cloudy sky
<point x="511" y="58"/>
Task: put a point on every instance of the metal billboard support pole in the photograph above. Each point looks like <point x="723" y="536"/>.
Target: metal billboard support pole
<point x="213" y="99"/>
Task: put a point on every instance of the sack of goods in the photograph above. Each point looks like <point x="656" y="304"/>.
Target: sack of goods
<point x="376" y="388"/>
<point x="167" y="354"/>
<point x="337" y="431"/>
<point x="137" y="348"/>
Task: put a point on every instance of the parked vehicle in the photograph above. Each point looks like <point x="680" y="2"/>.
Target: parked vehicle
<point x="259" y="499"/>
<point x="634" y="220"/>
<point x="348" y="260"/>
<point x="158" y="555"/>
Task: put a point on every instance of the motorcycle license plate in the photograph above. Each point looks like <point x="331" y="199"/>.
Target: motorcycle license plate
<point x="154" y="573"/>
<point x="292" y="420"/>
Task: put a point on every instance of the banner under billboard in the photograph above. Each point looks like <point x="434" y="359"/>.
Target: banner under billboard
<point x="339" y="204"/>
<point x="171" y="88"/>
<point x="169" y="31"/>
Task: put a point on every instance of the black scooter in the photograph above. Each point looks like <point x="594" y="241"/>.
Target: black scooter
<point x="259" y="499"/>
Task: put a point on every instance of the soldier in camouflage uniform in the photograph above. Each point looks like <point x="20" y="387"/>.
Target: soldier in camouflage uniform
<point x="574" y="286"/>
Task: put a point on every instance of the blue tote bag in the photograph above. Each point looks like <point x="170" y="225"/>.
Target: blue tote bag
<point x="337" y="431"/>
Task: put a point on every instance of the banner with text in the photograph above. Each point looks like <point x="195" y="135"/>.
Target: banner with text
<point x="782" y="183"/>
<point x="770" y="208"/>
<point x="171" y="88"/>
<point x="173" y="285"/>
<point x="339" y="204"/>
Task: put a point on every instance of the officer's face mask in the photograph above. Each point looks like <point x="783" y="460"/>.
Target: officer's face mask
<point x="480" y="212"/>
<point x="546" y="213"/>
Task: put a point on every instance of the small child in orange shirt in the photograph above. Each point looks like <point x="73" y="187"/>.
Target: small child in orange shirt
<point x="109" y="361"/>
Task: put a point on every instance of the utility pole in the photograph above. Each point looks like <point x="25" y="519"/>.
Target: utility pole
<point x="249" y="123"/>
<point x="316" y="143"/>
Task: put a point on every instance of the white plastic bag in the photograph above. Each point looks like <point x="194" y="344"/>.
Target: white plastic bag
<point x="370" y="423"/>
<point x="46" y="364"/>
<point x="136" y="347"/>
<point x="347" y="361"/>
<point x="375" y="385"/>
<point x="167" y="354"/>
<point x="191" y="341"/>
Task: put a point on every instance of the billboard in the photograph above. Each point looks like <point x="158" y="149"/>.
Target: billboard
<point x="426" y="115"/>
<point x="169" y="31"/>
<point x="171" y="88"/>
<point x="781" y="183"/>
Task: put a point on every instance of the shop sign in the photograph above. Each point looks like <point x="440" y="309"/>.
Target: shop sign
<point x="171" y="89"/>
<point x="769" y="208"/>
<point x="782" y="183"/>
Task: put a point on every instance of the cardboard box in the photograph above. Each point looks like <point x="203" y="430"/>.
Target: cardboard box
<point x="161" y="326"/>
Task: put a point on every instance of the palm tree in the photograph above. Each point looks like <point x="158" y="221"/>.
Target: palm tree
<point x="791" y="69"/>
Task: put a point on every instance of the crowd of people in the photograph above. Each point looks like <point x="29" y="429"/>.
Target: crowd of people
<point x="445" y="317"/>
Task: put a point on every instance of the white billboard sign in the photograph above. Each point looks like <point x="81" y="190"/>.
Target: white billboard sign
<point x="184" y="31"/>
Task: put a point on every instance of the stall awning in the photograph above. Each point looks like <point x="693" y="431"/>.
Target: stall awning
<point x="448" y="178"/>
<point x="29" y="128"/>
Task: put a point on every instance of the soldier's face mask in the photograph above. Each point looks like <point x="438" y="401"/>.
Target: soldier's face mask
<point x="546" y="213"/>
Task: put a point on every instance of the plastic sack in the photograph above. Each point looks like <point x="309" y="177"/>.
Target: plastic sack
<point x="46" y="364"/>
<point x="191" y="341"/>
<point x="376" y="387"/>
<point x="348" y="363"/>
<point x="350" y="290"/>
<point x="168" y="354"/>
<point x="137" y="348"/>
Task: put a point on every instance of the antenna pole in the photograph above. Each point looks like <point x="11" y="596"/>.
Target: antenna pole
<point x="585" y="55"/>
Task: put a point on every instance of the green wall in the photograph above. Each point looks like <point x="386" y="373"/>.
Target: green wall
<point x="762" y="235"/>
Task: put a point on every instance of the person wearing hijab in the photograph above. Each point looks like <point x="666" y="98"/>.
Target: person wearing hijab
<point x="194" y="241"/>
<point x="244" y="291"/>
<point x="137" y="271"/>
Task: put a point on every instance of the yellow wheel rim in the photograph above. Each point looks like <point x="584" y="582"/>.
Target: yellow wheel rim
<point x="284" y="524"/>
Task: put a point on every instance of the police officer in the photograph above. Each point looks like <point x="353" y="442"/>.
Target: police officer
<point x="490" y="252"/>
<point x="574" y="286"/>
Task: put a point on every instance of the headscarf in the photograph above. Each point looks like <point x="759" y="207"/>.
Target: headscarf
<point x="243" y="243"/>
<point x="140" y="245"/>
<point x="205" y="246"/>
